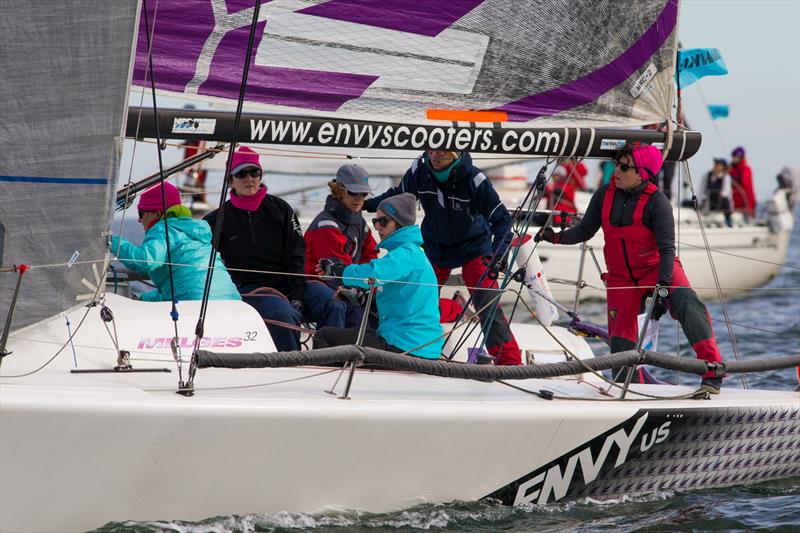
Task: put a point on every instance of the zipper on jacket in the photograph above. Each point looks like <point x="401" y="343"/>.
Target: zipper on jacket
<point x="250" y="224"/>
<point x="627" y="263"/>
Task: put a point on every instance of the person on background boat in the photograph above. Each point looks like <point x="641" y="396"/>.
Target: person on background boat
<point x="262" y="243"/>
<point x="465" y="225"/>
<point x="638" y="228"/>
<point x="744" y="197"/>
<point x="339" y="231"/>
<point x="189" y="246"/>
<point x="717" y="190"/>
<point x="407" y="295"/>
<point x="787" y="182"/>
<point x="576" y="172"/>
<point x="606" y="168"/>
<point x="560" y="192"/>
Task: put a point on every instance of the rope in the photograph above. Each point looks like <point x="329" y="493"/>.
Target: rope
<point x="199" y="328"/>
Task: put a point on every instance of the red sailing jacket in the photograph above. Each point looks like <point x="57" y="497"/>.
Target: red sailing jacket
<point x="744" y="197"/>
<point x="337" y="233"/>
<point x="631" y="252"/>
<point x="578" y="175"/>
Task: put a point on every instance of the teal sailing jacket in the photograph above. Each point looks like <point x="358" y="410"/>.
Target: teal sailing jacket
<point x="407" y="298"/>
<point x="190" y="244"/>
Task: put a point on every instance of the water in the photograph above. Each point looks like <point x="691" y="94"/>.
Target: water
<point x="773" y="506"/>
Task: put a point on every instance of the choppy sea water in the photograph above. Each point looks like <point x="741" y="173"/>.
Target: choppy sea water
<point x="765" y="323"/>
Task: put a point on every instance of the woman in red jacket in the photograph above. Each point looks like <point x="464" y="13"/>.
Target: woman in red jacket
<point x="744" y="197"/>
<point x="340" y="232"/>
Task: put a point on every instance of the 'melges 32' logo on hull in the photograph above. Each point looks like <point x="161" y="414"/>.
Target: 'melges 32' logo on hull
<point x="160" y="343"/>
<point x="602" y="454"/>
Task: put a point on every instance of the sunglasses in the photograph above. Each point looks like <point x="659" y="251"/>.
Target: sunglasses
<point x="248" y="173"/>
<point x="357" y="194"/>
<point x="382" y="221"/>
<point x="624" y="166"/>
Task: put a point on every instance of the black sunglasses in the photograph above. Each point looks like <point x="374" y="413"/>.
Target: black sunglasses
<point x="624" y="166"/>
<point x="383" y="221"/>
<point x="357" y="194"/>
<point x="248" y="173"/>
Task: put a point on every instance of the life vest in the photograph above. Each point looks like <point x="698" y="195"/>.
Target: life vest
<point x="630" y="251"/>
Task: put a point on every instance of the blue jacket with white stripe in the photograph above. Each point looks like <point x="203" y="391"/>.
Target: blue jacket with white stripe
<point x="464" y="217"/>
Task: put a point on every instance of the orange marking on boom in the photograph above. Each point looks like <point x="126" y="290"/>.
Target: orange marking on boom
<point x="463" y="115"/>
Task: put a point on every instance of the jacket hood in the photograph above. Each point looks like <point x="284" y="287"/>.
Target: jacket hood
<point x="196" y="230"/>
<point x="401" y="236"/>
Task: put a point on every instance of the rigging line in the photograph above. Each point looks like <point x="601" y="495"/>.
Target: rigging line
<point x="129" y="196"/>
<point x="516" y="229"/>
<point x="739" y="256"/>
<point x="610" y="382"/>
<point x="199" y="328"/>
<point x="255" y="385"/>
<point x="721" y="297"/>
<point x="524" y="228"/>
<point x="174" y="309"/>
<point x="647" y="397"/>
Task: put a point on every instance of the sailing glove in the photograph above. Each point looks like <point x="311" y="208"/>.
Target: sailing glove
<point x="332" y="267"/>
<point x="660" y="302"/>
<point x="547" y="234"/>
<point x="352" y="294"/>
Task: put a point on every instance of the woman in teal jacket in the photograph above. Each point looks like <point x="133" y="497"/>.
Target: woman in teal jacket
<point x="189" y="245"/>
<point x="407" y="295"/>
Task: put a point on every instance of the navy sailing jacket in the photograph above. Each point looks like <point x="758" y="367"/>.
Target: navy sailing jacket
<point x="464" y="217"/>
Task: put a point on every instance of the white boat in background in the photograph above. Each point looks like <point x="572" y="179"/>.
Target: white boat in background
<point x="745" y="256"/>
<point x="91" y="427"/>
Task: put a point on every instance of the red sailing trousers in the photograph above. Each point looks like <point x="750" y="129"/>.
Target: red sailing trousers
<point x="500" y="341"/>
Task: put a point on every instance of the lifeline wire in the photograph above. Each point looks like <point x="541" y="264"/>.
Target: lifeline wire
<point x="722" y="302"/>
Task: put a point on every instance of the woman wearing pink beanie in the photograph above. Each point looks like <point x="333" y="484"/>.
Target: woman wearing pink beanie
<point x="638" y="228"/>
<point x="189" y="247"/>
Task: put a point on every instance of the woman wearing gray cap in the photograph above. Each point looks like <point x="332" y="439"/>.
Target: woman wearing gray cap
<point x="339" y="231"/>
<point x="407" y="293"/>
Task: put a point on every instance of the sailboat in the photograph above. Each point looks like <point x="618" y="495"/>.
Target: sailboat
<point x="90" y="421"/>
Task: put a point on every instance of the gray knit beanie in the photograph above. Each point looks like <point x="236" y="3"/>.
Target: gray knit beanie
<point x="402" y="208"/>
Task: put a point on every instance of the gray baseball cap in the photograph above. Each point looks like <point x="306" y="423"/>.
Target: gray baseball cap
<point x="354" y="178"/>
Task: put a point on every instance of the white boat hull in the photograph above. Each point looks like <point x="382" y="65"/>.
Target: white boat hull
<point x="106" y="447"/>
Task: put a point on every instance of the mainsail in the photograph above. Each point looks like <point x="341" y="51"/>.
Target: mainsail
<point x="63" y="96"/>
<point x="538" y="63"/>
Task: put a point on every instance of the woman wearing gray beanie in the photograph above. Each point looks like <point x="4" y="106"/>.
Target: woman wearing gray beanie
<point x="407" y="294"/>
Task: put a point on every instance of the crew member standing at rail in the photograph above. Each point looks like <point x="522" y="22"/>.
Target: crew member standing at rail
<point x="465" y="225"/>
<point x="638" y="228"/>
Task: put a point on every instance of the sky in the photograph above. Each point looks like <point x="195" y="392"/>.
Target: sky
<point x="760" y="42"/>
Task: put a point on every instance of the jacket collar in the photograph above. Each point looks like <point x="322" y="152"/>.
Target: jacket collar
<point x="401" y="236"/>
<point x="341" y="213"/>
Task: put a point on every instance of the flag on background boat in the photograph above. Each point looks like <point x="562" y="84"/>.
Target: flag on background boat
<point x="696" y="63"/>
<point x="398" y="60"/>
<point x="718" y="111"/>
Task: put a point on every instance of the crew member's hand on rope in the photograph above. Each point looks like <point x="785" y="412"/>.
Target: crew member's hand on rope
<point x="660" y="301"/>
<point x="547" y="234"/>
